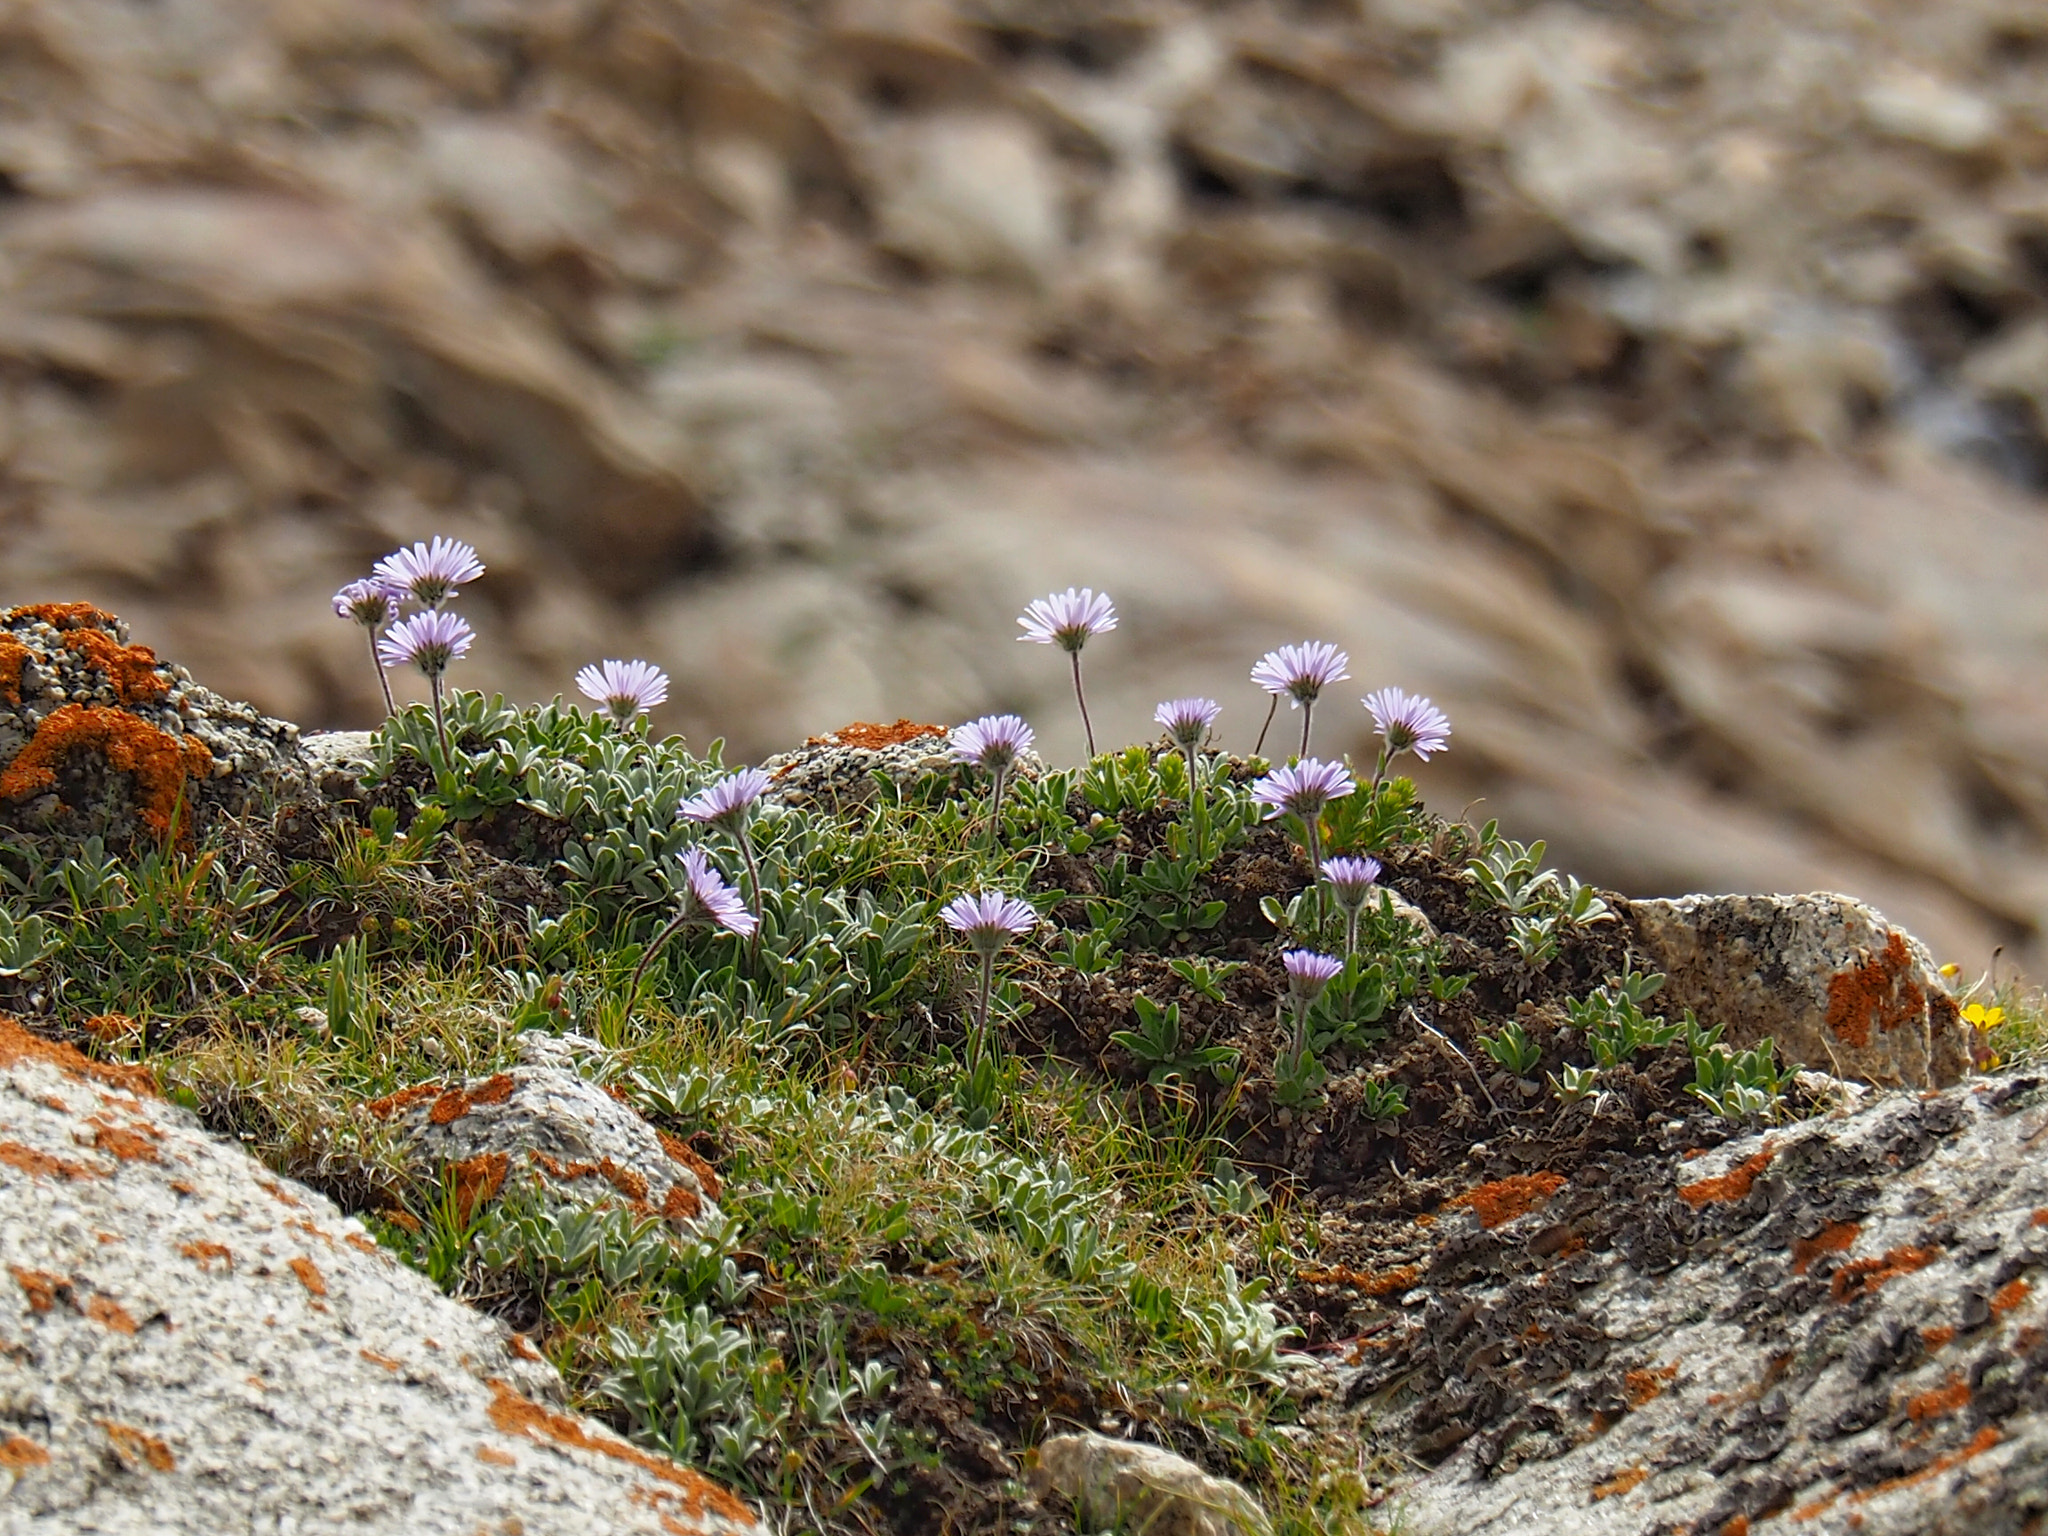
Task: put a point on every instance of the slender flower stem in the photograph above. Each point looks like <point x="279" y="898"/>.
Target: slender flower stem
<point x="383" y="681"/>
<point x="1272" y="710"/>
<point x="1350" y="932"/>
<point x="988" y="982"/>
<point x="1308" y="711"/>
<point x="1379" y="770"/>
<point x="1198" y="802"/>
<point x="441" y="723"/>
<point x="995" y="805"/>
<point x="654" y="947"/>
<point x="753" y="887"/>
<point x="1087" y="725"/>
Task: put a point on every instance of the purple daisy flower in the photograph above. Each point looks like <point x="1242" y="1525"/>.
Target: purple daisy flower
<point x="1304" y="790"/>
<point x="1308" y="973"/>
<point x="703" y="901"/>
<point x="626" y="688"/>
<point x="1068" y="619"/>
<point x="1352" y="879"/>
<point x="1299" y="674"/>
<point x="368" y="602"/>
<point x="430" y="573"/>
<point x="727" y="804"/>
<point x="1188" y="721"/>
<point x="988" y="919"/>
<point x="373" y="605"/>
<point x="1302" y="672"/>
<point x="994" y="742"/>
<point x="1408" y="723"/>
<point x="707" y="899"/>
<point x="428" y="640"/>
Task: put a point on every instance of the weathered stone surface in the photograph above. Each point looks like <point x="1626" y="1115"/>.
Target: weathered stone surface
<point x="1836" y="986"/>
<point x="98" y="738"/>
<point x="541" y="1121"/>
<point x="837" y="770"/>
<point x="1130" y="1486"/>
<point x="192" y="1347"/>
<point x="1836" y="1326"/>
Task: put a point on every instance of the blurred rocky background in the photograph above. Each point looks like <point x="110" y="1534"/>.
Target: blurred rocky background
<point x="1659" y="384"/>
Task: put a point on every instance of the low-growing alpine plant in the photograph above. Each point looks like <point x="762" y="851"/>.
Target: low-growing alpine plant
<point x="1154" y="985"/>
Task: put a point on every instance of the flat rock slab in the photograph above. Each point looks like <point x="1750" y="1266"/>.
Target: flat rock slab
<point x="190" y="1346"/>
<point x="1838" y="1326"/>
<point x="1836" y="986"/>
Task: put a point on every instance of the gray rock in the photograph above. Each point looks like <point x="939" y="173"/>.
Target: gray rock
<point x="335" y="761"/>
<point x="106" y="741"/>
<point x="1836" y="986"/>
<point x="1129" y="1486"/>
<point x="540" y="1122"/>
<point x="838" y="770"/>
<point x="1836" y="1326"/>
<point x="192" y="1347"/>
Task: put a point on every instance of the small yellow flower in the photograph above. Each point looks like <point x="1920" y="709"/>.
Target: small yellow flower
<point x="1982" y="1017"/>
<point x="1951" y="971"/>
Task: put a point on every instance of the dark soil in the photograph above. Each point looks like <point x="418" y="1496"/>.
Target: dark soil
<point x="1375" y="1187"/>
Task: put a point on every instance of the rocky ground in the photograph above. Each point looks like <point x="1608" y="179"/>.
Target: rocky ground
<point x="1657" y="386"/>
<point x="777" y="1217"/>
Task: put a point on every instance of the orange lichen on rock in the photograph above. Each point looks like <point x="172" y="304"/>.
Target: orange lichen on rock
<point x="1863" y="1277"/>
<point x="872" y="737"/>
<point x="405" y="1098"/>
<point x="13" y="657"/>
<point x="309" y="1275"/>
<point x="624" y="1180"/>
<point x="133" y="1445"/>
<point x="680" y="1151"/>
<point x="206" y="1255"/>
<point x="382" y="1362"/>
<point x="454" y="1103"/>
<point x="1505" y="1199"/>
<point x="1875" y="991"/>
<point x="1936" y="1339"/>
<point x="18" y="1045"/>
<point x="1739" y="1526"/>
<point x="478" y="1179"/>
<point x="18" y="1453"/>
<point x="1647" y="1385"/>
<point x="130" y="1143"/>
<point x="109" y="1027"/>
<point x="490" y="1455"/>
<point x="132" y="669"/>
<point x="2008" y="1296"/>
<point x="1735" y="1184"/>
<point x="517" y="1415"/>
<point x="1832" y="1239"/>
<point x="1932" y="1404"/>
<point x="159" y="762"/>
<point x="41" y="1165"/>
<point x="109" y="1313"/>
<point x="40" y="1286"/>
<point x="681" y="1203"/>
<point x="64" y="616"/>
<point x="1366" y="1282"/>
<point x="1624" y="1481"/>
<point x="1982" y="1441"/>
